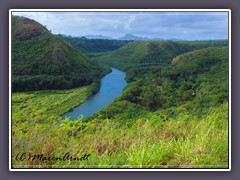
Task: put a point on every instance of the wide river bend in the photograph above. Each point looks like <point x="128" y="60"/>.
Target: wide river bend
<point x="112" y="86"/>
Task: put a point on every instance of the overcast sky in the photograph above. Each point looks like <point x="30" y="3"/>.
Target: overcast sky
<point x="166" y="25"/>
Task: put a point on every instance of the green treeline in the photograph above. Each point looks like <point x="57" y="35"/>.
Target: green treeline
<point x="90" y="46"/>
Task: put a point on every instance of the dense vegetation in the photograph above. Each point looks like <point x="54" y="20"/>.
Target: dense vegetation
<point x="147" y="143"/>
<point x="90" y="46"/>
<point x="194" y="83"/>
<point x="156" y="123"/>
<point x="41" y="60"/>
<point x="172" y="114"/>
<point x="28" y="104"/>
<point x="145" y="53"/>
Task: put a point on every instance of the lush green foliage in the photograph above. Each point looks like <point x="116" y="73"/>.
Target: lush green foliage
<point x="41" y="60"/>
<point x="147" y="143"/>
<point x="145" y="53"/>
<point x="173" y="113"/>
<point x="89" y="46"/>
<point x="27" y="105"/>
<point x="195" y="82"/>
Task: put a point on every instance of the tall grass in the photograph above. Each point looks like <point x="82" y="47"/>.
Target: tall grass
<point x="147" y="143"/>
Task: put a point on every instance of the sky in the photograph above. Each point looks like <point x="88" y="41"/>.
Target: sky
<point x="166" y="25"/>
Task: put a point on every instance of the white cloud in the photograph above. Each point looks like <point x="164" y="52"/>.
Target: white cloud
<point x="185" y="25"/>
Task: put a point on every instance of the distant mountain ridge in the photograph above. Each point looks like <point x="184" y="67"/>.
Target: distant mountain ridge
<point x="127" y="37"/>
<point x="132" y="37"/>
<point x="97" y="37"/>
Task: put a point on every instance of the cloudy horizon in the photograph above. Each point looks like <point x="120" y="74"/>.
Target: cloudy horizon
<point x="165" y="25"/>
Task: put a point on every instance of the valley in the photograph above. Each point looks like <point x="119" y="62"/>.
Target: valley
<point x="171" y="113"/>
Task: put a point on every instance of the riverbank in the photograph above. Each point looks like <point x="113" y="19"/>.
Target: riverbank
<point x="112" y="86"/>
<point x="49" y="102"/>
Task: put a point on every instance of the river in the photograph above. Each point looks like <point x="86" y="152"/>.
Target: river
<point x="112" y="86"/>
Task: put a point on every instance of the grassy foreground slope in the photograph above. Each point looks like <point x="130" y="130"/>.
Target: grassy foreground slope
<point x="41" y="60"/>
<point x="145" y="53"/>
<point x="148" y="143"/>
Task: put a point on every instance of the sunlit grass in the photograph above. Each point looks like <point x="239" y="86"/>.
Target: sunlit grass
<point x="148" y="143"/>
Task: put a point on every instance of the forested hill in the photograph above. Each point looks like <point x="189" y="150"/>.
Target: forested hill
<point x="94" y="45"/>
<point x="41" y="60"/>
<point x="192" y="84"/>
<point x="145" y="53"/>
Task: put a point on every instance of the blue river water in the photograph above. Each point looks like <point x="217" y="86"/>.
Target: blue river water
<point x="112" y="86"/>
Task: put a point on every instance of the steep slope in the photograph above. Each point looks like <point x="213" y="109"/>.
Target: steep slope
<point x="41" y="60"/>
<point x="145" y="53"/>
<point x="190" y="86"/>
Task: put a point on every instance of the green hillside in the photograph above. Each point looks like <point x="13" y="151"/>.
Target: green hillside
<point x="192" y="84"/>
<point x="168" y="117"/>
<point x="90" y="46"/>
<point x="145" y="53"/>
<point x="41" y="60"/>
